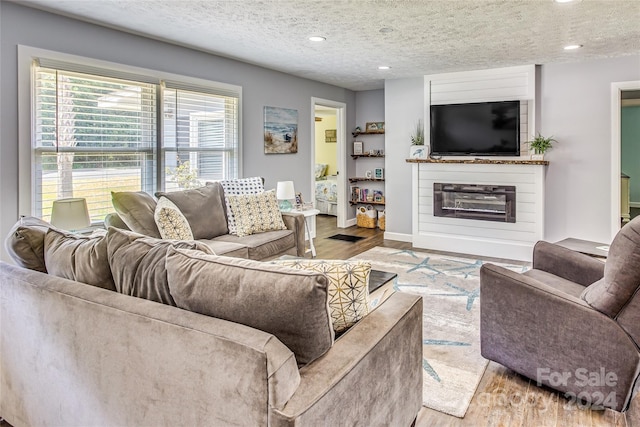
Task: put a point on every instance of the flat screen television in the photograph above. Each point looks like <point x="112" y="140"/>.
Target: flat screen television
<point x="480" y="128"/>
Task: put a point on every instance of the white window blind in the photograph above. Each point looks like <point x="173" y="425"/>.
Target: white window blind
<point x="200" y="137"/>
<point x="98" y="131"/>
<point x="93" y="135"/>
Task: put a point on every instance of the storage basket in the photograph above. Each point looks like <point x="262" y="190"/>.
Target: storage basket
<point x="382" y="220"/>
<point x="366" y="217"/>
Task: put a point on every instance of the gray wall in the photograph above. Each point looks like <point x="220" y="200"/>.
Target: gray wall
<point x="576" y="110"/>
<point x="24" y="26"/>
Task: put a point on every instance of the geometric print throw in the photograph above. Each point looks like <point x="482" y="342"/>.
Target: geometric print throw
<point x="256" y="213"/>
<point x="348" y="288"/>
<point x="238" y="187"/>
<point x="171" y="223"/>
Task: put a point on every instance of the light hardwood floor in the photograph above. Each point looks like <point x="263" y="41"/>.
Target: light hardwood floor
<point x="503" y="397"/>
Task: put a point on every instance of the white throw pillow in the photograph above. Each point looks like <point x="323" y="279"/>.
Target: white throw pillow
<point x="348" y="288"/>
<point x="171" y="223"/>
<point x="256" y="213"/>
<point x="237" y="187"/>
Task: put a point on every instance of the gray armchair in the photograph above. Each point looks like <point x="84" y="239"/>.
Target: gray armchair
<point x="571" y="323"/>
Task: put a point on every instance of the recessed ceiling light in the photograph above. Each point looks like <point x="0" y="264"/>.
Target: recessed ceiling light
<point x="317" y="38"/>
<point x="573" y="47"/>
<point x="564" y="1"/>
<point x="384" y="67"/>
<point x="386" y="30"/>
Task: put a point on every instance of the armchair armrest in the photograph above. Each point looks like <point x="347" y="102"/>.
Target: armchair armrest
<point x="295" y="221"/>
<point x="537" y="330"/>
<point x="568" y="264"/>
<point x="371" y="376"/>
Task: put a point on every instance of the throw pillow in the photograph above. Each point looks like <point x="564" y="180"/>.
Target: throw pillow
<point x="203" y="208"/>
<point x="256" y="213"/>
<point x="136" y="209"/>
<point x="171" y="222"/>
<point x="320" y="170"/>
<point x="348" y="288"/>
<point x="236" y="187"/>
<point x="138" y="263"/>
<point x="25" y="243"/>
<point x="290" y="304"/>
<point x="80" y="258"/>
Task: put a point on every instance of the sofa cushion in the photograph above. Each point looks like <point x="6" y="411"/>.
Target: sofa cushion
<point x="203" y="208"/>
<point x="256" y="213"/>
<point x="348" y="287"/>
<point x="25" y="243"/>
<point x="621" y="274"/>
<point x="290" y="304"/>
<point x="262" y="245"/>
<point x="80" y="258"/>
<point x="138" y="263"/>
<point x="221" y="247"/>
<point x="136" y="209"/>
<point x="171" y="223"/>
<point x="235" y="187"/>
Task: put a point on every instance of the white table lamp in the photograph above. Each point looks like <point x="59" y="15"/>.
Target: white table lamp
<point x="70" y="214"/>
<point x="285" y="193"/>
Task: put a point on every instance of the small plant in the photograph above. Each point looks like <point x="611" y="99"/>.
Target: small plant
<point x="184" y="175"/>
<point x="418" y="135"/>
<point x="540" y="144"/>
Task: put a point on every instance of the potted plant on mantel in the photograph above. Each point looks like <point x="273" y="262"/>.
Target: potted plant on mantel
<point x="540" y="145"/>
<point x="417" y="149"/>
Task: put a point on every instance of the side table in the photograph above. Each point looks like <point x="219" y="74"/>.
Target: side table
<point x="594" y="249"/>
<point x="308" y="214"/>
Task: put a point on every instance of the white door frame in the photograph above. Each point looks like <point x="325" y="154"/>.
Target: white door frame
<point x="341" y="134"/>
<point x="616" y="141"/>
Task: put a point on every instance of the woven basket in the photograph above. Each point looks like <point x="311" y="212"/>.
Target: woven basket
<point x="382" y="220"/>
<point x="366" y="217"/>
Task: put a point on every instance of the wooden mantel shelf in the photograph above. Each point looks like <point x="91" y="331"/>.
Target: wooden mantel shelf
<point x="482" y="161"/>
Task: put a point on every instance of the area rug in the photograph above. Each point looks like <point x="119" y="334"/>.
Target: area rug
<point x="346" y="237"/>
<point x="450" y="289"/>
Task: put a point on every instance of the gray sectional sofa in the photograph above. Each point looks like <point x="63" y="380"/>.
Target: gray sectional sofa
<point x="76" y="354"/>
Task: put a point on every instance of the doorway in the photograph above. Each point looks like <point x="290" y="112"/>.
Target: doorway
<point x="328" y="158"/>
<point x="620" y="93"/>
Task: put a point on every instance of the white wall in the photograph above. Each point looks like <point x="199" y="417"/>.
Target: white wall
<point x="576" y="110"/>
<point x="20" y="25"/>
<point x="404" y="106"/>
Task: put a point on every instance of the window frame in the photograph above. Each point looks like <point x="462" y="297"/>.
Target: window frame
<point x="27" y="197"/>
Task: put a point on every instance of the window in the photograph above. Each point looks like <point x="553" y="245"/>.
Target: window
<point x="95" y="131"/>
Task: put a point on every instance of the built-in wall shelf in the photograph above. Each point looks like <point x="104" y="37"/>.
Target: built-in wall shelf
<point x="367" y="133"/>
<point x="482" y="161"/>
<point x="360" y="202"/>
<point x="357" y="179"/>
<point x="355" y="156"/>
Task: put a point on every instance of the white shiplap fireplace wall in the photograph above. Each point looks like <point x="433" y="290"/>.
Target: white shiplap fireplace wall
<point x="476" y="237"/>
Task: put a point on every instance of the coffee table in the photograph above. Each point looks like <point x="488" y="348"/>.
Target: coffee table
<point x="380" y="285"/>
<point x="594" y="249"/>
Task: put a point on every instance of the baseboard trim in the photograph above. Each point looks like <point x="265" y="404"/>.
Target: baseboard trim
<point x="510" y="250"/>
<point x="350" y="222"/>
<point x="400" y="237"/>
<point x="634" y="204"/>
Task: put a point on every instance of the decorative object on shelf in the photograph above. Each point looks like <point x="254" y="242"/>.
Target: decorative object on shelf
<point x="330" y="135"/>
<point x="377" y="196"/>
<point x="418" y="152"/>
<point x="285" y="192"/>
<point x="280" y="130"/>
<point x="358" y="147"/>
<point x="378" y="173"/>
<point x="540" y="145"/>
<point x="368" y="174"/>
<point x="375" y="127"/>
<point x="299" y="201"/>
<point x="366" y="216"/>
<point x="70" y="214"/>
<point x="417" y="138"/>
<point x="357" y="129"/>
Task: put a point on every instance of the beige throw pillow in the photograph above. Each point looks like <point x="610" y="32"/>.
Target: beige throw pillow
<point x="136" y="209"/>
<point x="256" y="213"/>
<point x="80" y="258"/>
<point x="348" y="288"/>
<point x="171" y="223"/>
<point x="25" y="243"/>
<point x="290" y="304"/>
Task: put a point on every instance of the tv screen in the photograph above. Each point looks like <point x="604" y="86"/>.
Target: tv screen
<point x="483" y="128"/>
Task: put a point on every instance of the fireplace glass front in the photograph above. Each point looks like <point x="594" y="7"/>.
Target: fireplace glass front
<point x="472" y="201"/>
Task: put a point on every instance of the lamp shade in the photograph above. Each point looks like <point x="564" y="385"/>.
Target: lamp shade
<point x="285" y="190"/>
<point x="70" y="214"/>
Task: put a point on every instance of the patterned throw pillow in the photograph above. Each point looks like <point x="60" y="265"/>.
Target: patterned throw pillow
<point x="237" y="187"/>
<point x="171" y="223"/>
<point x="348" y="288"/>
<point x="256" y="213"/>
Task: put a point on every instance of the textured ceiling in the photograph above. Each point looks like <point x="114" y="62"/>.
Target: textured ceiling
<point x="427" y="37"/>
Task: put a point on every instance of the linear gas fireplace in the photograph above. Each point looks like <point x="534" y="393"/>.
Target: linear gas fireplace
<point x="472" y="201"/>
